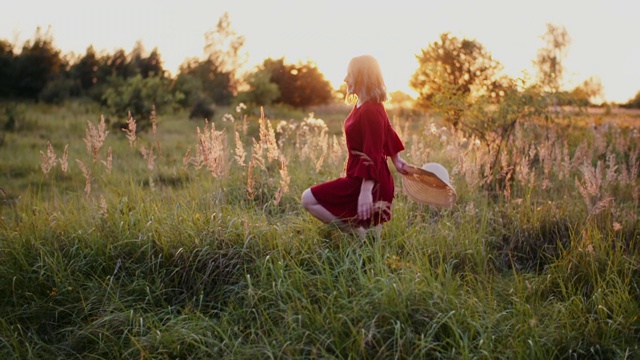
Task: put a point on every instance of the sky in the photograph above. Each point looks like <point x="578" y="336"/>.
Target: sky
<point x="605" y="33"/>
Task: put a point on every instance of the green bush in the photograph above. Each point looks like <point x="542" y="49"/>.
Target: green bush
<point x="202" y="109"/>
<point x="12" y="117"/>
<point x="138" y="96"/>
<point x="262" y="91"/>
<point x="56" y="91"/>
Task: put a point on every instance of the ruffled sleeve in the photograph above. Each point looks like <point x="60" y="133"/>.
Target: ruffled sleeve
<point x="393" y="144"/>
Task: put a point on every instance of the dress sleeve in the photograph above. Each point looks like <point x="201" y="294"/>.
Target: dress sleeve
<point x="393" y="144"/>
<point x="372" y="128"/>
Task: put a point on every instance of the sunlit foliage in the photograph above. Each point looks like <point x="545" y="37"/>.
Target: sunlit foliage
<point x="300" y="85"/>
<point x="457" y="66"/>
<point x="549" y="60"/>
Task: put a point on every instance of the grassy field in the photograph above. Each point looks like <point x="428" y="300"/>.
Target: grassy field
<point x="189" y="242"/>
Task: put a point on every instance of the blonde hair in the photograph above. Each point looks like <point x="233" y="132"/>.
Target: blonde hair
<point x="368" y="83"/>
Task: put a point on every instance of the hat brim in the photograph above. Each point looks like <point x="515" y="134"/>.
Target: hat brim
<point x="427" y="188"/>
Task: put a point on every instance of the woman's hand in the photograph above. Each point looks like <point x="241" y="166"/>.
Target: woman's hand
<point x="365" y="200"/>
<point x="400" y="164"/>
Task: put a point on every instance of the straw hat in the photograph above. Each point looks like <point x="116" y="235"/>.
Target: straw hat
<point x="429" y="185"/>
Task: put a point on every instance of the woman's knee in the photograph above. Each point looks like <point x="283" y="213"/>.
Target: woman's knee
<point x="308" y="199"/>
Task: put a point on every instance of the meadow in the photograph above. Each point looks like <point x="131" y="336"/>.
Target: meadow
<point x="187" y="240"/>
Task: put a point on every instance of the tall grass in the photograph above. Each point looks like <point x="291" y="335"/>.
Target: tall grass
<point x="205" y="252"/>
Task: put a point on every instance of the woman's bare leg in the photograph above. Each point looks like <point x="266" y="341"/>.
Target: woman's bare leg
<point x="314" y="208"/>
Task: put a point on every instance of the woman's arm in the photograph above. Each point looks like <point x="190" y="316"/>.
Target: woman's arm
<point x="399" y="163"/>
<point x="365" y="200"/>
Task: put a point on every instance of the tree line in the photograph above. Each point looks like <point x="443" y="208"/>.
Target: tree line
<point x="135" y="81"/>
<point x="452" y="76"/>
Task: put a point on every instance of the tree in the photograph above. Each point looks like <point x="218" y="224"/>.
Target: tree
<point x="214" y="84"/>
<point x="400" y="98"/>
<point x="38" y="62"/>
<point x="85" y="70"/>
<point x="585" y="93"/>
<point x="223" y="48"/>
<point x="7" y="69"/>
<point x="146" y="65"/>
<point x="549" y="58"/>
<point x="217" y="72"/>
<point x="456" y="67"/>
<point x="633" y="103"/>
<point x="93" y="73"/>
<point x="300" y="85"/>
<point x="118" y="65"/>
<point x="261" y="91"/>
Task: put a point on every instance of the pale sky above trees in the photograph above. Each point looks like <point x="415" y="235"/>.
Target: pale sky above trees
<point x="330" y="32"/>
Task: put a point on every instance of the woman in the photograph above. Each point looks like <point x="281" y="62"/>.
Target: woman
<point x="362" y="199"/>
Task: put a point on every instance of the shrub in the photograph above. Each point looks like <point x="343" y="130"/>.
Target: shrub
<point x="138" y="96"/>
<point x="12" y="116"/>
<point x="633" y="103"/>
<point x="202" y="109"/>
<point x="56" y="91"/>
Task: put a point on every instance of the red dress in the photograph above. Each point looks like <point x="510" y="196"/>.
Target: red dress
<point x="370" y="140"/>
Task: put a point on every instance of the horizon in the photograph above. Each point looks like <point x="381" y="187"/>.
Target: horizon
<point x="320" y="32"/>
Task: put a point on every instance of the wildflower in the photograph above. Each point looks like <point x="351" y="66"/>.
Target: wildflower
<point x="154" y="126"/>
<point x="319" y="163"/>
<point x="103" y="211"/>
<point x="186" y="160"/>
<point x="109" y="163"/>
<point x="611" y="174"/>
<point x="383" y="207"/>
<point x="94" y="137"/>
<point x="210" y="150"/>
<point x="64" y="165"/>
<point x="312" y="121"/>
<point x="471" y="208"/>
<point x="251" y="193"/>
<point x="131" y="130"/>
<point x="278" y="197"/>
<point x="601" y="206"/>
<point x="240" y="153"/>
<point x="617" y="226"/>
<point x="148" y="155"/>
<point x="282" y="125"/>
<point x="87" y="176"/>
<point x="268" y="138"/>
<point x="240" y="107"/>
<point x="336" y="154"/>
<point x="284" y="176"/>
<point x="256" y="154"/>
<point x="48" y="160"/>
<point x="245" y="125"/>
